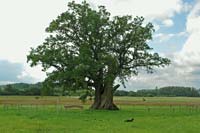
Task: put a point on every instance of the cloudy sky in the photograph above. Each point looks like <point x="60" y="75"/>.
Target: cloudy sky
<point x="177" y="37"/>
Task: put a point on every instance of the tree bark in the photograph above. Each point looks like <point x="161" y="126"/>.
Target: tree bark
<point x="104" y="99"/>
<point x="105" y="89"/>
<point x="97" y="99"/>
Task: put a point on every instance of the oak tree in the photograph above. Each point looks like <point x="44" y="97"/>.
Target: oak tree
<point x="89" y="49"/>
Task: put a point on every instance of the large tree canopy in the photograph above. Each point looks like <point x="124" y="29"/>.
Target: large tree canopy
<point x="88" y="49"/>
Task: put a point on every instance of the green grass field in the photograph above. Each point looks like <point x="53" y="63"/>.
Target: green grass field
<point x="149" y="118"/>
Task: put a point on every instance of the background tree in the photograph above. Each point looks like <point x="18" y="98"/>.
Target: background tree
<point x="88" y="50"/>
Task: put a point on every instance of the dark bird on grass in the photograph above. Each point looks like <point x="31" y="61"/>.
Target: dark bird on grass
<point x="129" y="120"/>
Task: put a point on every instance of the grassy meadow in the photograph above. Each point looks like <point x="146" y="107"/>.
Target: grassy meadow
<point x="47" y="115"/>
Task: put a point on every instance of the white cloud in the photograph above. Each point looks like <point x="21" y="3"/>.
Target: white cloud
<point x="23" y="22"/>
<point x="23" y="26"/>
<point x="154" y="9"/>
<point x="156" y="27"/>
<point x="186" y="7"/>
<point x="35" y="73"/>
<point x="13" y="72"/>
<point x="161" y="37"/>
<point x="185" y="67"/>
<point x="168" y="22"/>
<point x="191" y="48"/>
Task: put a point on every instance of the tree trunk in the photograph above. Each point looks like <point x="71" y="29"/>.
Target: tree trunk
<point x="97" y="99"/>
<point x="104" y="89"/>
<point x="104" y="99"/>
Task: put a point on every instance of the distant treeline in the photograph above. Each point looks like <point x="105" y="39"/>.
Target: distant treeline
<point x="21" y="89"/>
<point x="36" y="89"/>
<point x="170" y="91"/>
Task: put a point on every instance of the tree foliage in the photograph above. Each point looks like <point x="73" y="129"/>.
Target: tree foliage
<point x="89" y="49"/>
